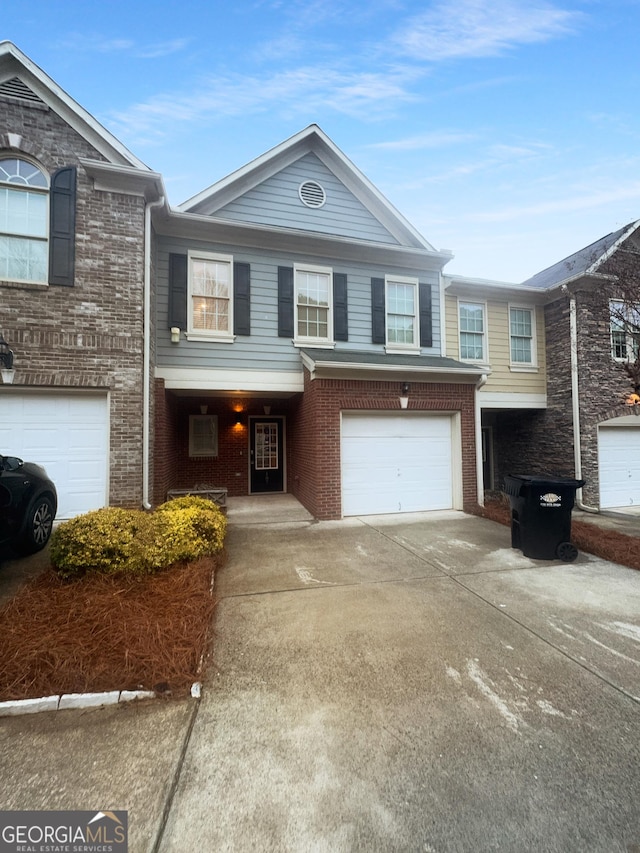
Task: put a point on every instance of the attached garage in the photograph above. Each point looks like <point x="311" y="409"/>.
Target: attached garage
<point x="399" y="462"/>
<point x="619" y="464"/>
<point x="66" y="433"/>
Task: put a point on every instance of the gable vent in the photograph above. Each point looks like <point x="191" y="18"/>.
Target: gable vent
<point x="15" y="88"/>
<point x="312" y="194"/>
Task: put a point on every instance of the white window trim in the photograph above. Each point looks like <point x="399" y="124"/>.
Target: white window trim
<point x="628" y="336"/>
<point x="523" y="366"/>
<point x="392" y="346"/>
<point x="485" y="335"/>
<point x="193" y="334"/>
<point x="45" y="191"/>
<point x="301" y="340"/>
<point x="213" y="451"/>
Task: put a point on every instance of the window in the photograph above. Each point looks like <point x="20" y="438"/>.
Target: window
<point x="210" y="297"/>
<point x="24" y="226"/>
<point x="522" y="336"/>
<point x="472" y="331"/>
<point x="203" y="435"/>
<point x="402" y="313"/>
<point x="313" y="292"/>
<point x="625" y="330"/>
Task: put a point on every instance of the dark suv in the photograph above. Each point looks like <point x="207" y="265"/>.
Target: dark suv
<point x="28" y="505"/>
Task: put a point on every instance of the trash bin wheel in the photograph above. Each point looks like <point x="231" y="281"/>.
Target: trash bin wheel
<point x="566" y="552"/>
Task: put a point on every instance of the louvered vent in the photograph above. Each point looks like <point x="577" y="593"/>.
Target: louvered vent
<point x="15" y="88"/>
<point x="312" y="194"/>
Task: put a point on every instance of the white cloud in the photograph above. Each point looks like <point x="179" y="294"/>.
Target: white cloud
<point x="479" y="28"/>
<point x="303" y="90"/>
<point x="97" y="44"/>
<point x="436" y="139"/>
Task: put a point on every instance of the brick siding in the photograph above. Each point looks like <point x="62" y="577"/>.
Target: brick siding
<point x="89" y="335"/>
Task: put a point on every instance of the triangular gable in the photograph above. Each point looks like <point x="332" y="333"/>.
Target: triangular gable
<point x="308" y="196"/>
<point x="235" y="195"/>
<point x="586" y="261"/>
<point x="22" y="79"/>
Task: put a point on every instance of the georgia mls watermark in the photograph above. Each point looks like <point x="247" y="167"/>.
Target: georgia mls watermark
<point x="63" y="832"/>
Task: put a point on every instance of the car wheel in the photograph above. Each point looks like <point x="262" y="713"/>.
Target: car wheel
<point x="39" y="523"/>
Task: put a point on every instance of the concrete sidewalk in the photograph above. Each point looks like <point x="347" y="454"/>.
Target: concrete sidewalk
<point x="376" y="684"/>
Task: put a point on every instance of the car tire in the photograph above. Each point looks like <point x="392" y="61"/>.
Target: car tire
<point x="38" y="525"/>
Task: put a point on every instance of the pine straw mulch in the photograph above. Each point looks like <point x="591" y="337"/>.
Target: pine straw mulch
<point x="590" y="537"/>
<point x="102" y="633"/>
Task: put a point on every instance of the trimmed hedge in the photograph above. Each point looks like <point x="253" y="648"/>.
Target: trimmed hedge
<point x="134" y="542"/>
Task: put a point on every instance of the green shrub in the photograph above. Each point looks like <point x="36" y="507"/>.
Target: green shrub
<point x="124" y="541"/>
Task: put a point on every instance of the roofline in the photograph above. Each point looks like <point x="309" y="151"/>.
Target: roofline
<point x="278" y="156"/>
<point x="613" y="248"/>
<point x="98" y="135"/>
<point x="124" y="179"/>
<point x="313" y="365"/>
<point x="171" y="221"/>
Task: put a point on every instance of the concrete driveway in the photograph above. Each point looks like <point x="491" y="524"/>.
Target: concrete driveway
<point x="414" y="685"/>
<point x="376" y="685"/>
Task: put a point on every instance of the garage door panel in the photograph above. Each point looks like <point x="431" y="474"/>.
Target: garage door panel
<point x="619" y="466"/>
<point x="67" y="435"/>
<point x="397" y="463"/>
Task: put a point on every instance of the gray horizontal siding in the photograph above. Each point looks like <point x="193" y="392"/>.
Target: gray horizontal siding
<point x="264" y="350"/>
<point x="276" y="202"/>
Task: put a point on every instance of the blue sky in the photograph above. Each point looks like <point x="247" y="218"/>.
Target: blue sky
<point x="505" y="130"/>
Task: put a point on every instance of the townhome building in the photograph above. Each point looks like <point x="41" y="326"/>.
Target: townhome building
<point x="74" y="276"/>
<point x="562" y="396"/>
<point x="300" y="344"/>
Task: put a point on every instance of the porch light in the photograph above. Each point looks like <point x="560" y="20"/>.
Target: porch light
<point x="175" y="335"/>
<point x="6" y="362"/>
<point x="404" y="396"/>
<point x="238" y="421"/>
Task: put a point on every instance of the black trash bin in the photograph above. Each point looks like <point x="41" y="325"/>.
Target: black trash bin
<point x="541" y="515"/>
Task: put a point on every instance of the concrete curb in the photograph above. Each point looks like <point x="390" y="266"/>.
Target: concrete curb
<point x="68" y="701"/>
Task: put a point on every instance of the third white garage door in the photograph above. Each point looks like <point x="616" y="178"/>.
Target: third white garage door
<point x="619" y="466"/>
<point x="393" y="463"/>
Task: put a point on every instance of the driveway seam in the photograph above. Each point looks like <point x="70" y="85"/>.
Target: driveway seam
<point x="176" y="779"/>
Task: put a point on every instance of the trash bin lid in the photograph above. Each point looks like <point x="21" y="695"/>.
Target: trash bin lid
<point x="548" y="479"/>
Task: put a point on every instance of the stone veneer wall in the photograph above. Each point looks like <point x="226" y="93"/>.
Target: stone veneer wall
<point x="89" y="336"/>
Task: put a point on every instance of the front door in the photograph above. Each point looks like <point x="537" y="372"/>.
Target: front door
<point x="267" y="457"/>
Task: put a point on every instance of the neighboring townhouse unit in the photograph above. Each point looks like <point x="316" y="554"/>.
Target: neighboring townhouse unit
<point x="583" y="425"/>
<point x="500" y="328"/>
<point x="73" y="206"/>
<point x="300" y="344"/>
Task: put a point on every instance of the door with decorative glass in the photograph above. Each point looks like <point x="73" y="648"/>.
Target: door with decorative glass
<point x="267" y="466"/>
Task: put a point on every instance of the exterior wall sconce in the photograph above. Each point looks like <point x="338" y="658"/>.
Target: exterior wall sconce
<point x="238" y="420"/>
<point x="266" y="410"/>
<point x="175" y="335"/>
<point x="6" y="362"/>
<point x="633" y="401"/>
<point x="404" y="396"/>
<point x="204" y="409"/>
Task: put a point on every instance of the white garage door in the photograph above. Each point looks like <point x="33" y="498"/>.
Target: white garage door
<point x="619" y="466"/>
<point x="68" y="435"/>
<point x="396" y="463"/>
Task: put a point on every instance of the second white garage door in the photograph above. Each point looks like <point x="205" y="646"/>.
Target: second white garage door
<point x="396" y="463"/>
<point x="619" y="466"/>
<point x="68" y="435"/>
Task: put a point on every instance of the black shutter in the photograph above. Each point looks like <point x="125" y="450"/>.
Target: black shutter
<point x="426" y="320"/>
<point x="62" y="226"/>
<point x="378" y="320"/>
<point x="340" y="307"/>
<point x="241" y="299"/>
<point x="178" y="291"/>
<point x="285" y="302"/>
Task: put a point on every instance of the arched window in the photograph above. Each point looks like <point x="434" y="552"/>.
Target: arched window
<point x="24" y="221"/>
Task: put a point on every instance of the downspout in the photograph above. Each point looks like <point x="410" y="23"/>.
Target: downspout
<point x="575" y="398"/>
<point x="479" y="468"/>
<point x="146" y="365"/>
